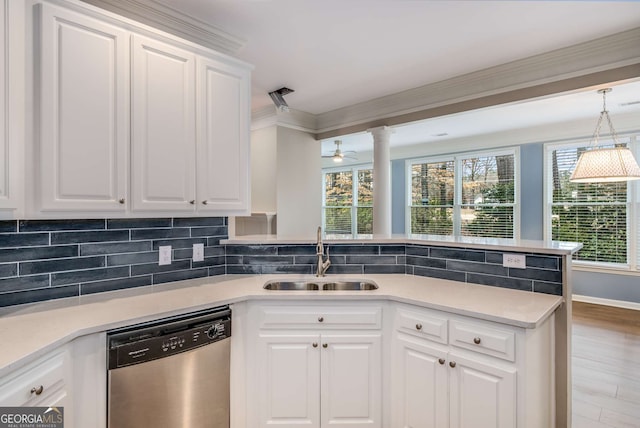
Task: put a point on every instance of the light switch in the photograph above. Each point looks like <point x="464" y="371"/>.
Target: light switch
<point x="198" y="252"/>
<point x="164" y="257"/>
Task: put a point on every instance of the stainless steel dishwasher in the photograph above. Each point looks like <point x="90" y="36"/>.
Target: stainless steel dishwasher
<point x="171" y="373"/>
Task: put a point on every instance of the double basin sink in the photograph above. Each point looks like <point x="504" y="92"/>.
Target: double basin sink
<point x="320" y="285"/>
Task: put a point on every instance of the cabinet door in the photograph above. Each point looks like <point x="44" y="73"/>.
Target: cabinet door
<point x="83" y="102"/>
<point x="351" y="381"/>
<point x="42" y="383"/>
<point x="163" y="127"/>
<point x="420" y="392"/>
<point x="482" y="394"/>
<point x="223" y="137"/>
<point x="289" y="380"/>
<point x="4" y="140"/>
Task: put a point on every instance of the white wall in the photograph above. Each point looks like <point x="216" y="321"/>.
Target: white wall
<point x="264" y="169"/>
<point x="299" y="184"/>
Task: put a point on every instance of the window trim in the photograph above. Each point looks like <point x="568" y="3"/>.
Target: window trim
<point x="457" y="184"/>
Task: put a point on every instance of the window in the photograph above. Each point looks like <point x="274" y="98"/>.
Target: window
<point x="469" y="194"/>
<point x="348" y="202"/>
<point x="600" y="215"/>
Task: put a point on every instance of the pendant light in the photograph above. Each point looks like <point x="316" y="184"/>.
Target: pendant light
<point x="598" y="165"/>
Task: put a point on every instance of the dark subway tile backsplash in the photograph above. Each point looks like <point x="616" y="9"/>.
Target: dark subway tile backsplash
<point x="89" y="236"/>
<point x="50" y="259"/>
<point x="8" y="226"/>
<point x="56" y="225"/>
<point x="38" y="253"/>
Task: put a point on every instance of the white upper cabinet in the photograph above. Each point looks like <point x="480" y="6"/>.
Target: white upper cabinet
<point x="163" y="127"/>
<point x="4" y="140"/>
<point x="83" y="106"/>
<point x="118" y="112"/>
<point x="10" y="121"/>
<point x="223" y="137"/>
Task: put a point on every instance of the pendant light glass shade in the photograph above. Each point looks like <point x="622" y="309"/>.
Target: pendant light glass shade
<point x="605" y="164"/>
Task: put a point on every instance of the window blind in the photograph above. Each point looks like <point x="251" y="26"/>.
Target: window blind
<point x="432" y="196"/>
<point x="592" y="213"/>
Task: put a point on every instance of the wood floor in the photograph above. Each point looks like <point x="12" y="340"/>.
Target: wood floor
<point x="606" y="367"/>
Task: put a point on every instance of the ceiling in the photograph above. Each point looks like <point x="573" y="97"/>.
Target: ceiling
<point x="337" y="53"/>
<point x="623" y="104"/>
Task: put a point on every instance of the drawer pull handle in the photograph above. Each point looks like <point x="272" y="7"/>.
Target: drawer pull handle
<point x="37" y="390"/>
<point x="121" y="201"/>
<point x="441" y="361"/>
<point x="205" y="202"/>
<point x="192" y="201"/>
<point x="452" y="364"/>
<point x="324" y="345"/>
<point x="476" y="340"/>
<point x="320" y="319"/>
<point x="418" y="326"/>
<point x="315" y="345"/>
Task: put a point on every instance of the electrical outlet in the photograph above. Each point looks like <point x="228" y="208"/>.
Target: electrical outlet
<point x="518" y="261"/>
<point x="198" y="252"/>
<point x="164" y="257"/>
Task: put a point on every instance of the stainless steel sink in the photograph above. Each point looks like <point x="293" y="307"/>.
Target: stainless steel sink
<point x="291" y="286"/>
<point x="320" y="285"/>
<point x="349" y="286"/>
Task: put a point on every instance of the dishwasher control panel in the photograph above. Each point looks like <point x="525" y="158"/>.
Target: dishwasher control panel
<point x="150" y="342"/>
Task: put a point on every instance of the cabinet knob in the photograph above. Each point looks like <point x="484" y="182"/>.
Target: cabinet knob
<point x="418" y="326"/>
<point x="452" y="364"/>
<point x="192" y="201"/>
<point x="121" y="201"/>
<point x="205" y="202"/>
<point x="324" y="345"/>
<point x="315" y="345"/>
<point x="320" y="319"/>
<point x="476" y="340"/>
<point x="441" y="361"/>
<point x="37" y="390"/>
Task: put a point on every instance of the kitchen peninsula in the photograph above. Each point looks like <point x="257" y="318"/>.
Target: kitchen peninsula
<point x="512" y="324"/>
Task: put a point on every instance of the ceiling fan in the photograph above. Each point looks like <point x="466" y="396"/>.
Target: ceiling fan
<point x="339" y="155"/>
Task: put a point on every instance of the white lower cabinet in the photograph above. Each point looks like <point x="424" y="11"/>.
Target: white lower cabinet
<point x="71" y="377"/>
<point x="45" y="382"/>
<point x="421" y="385"/>
<point x="315" y="374"/>
<point x="481" y="394"/>
<point x="459" y="372"/>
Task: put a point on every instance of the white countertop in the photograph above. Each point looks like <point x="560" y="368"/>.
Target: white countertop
<point x="496" y="244"/>
<point x="33" y="330"/>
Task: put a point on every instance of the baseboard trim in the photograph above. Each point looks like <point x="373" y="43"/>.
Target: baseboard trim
<point x="606" y="302"/>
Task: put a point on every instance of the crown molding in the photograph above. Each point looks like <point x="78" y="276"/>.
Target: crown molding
<point x="162" y="17"/>
<point x="593" y="58"/>
<point x="293" y="119"/>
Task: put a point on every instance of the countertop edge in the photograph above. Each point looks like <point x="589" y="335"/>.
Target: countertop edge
<point x="252" y="291"/>
<point x="500" y="244"/>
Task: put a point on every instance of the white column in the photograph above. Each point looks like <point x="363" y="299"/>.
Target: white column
<point x="381" y="180"/>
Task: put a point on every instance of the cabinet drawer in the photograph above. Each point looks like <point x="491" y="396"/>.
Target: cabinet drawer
<point x="422" y="324"/>
<point x="484" y="339"/>
<point x="305" y="317"/>
<point x="48" y="374"/>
